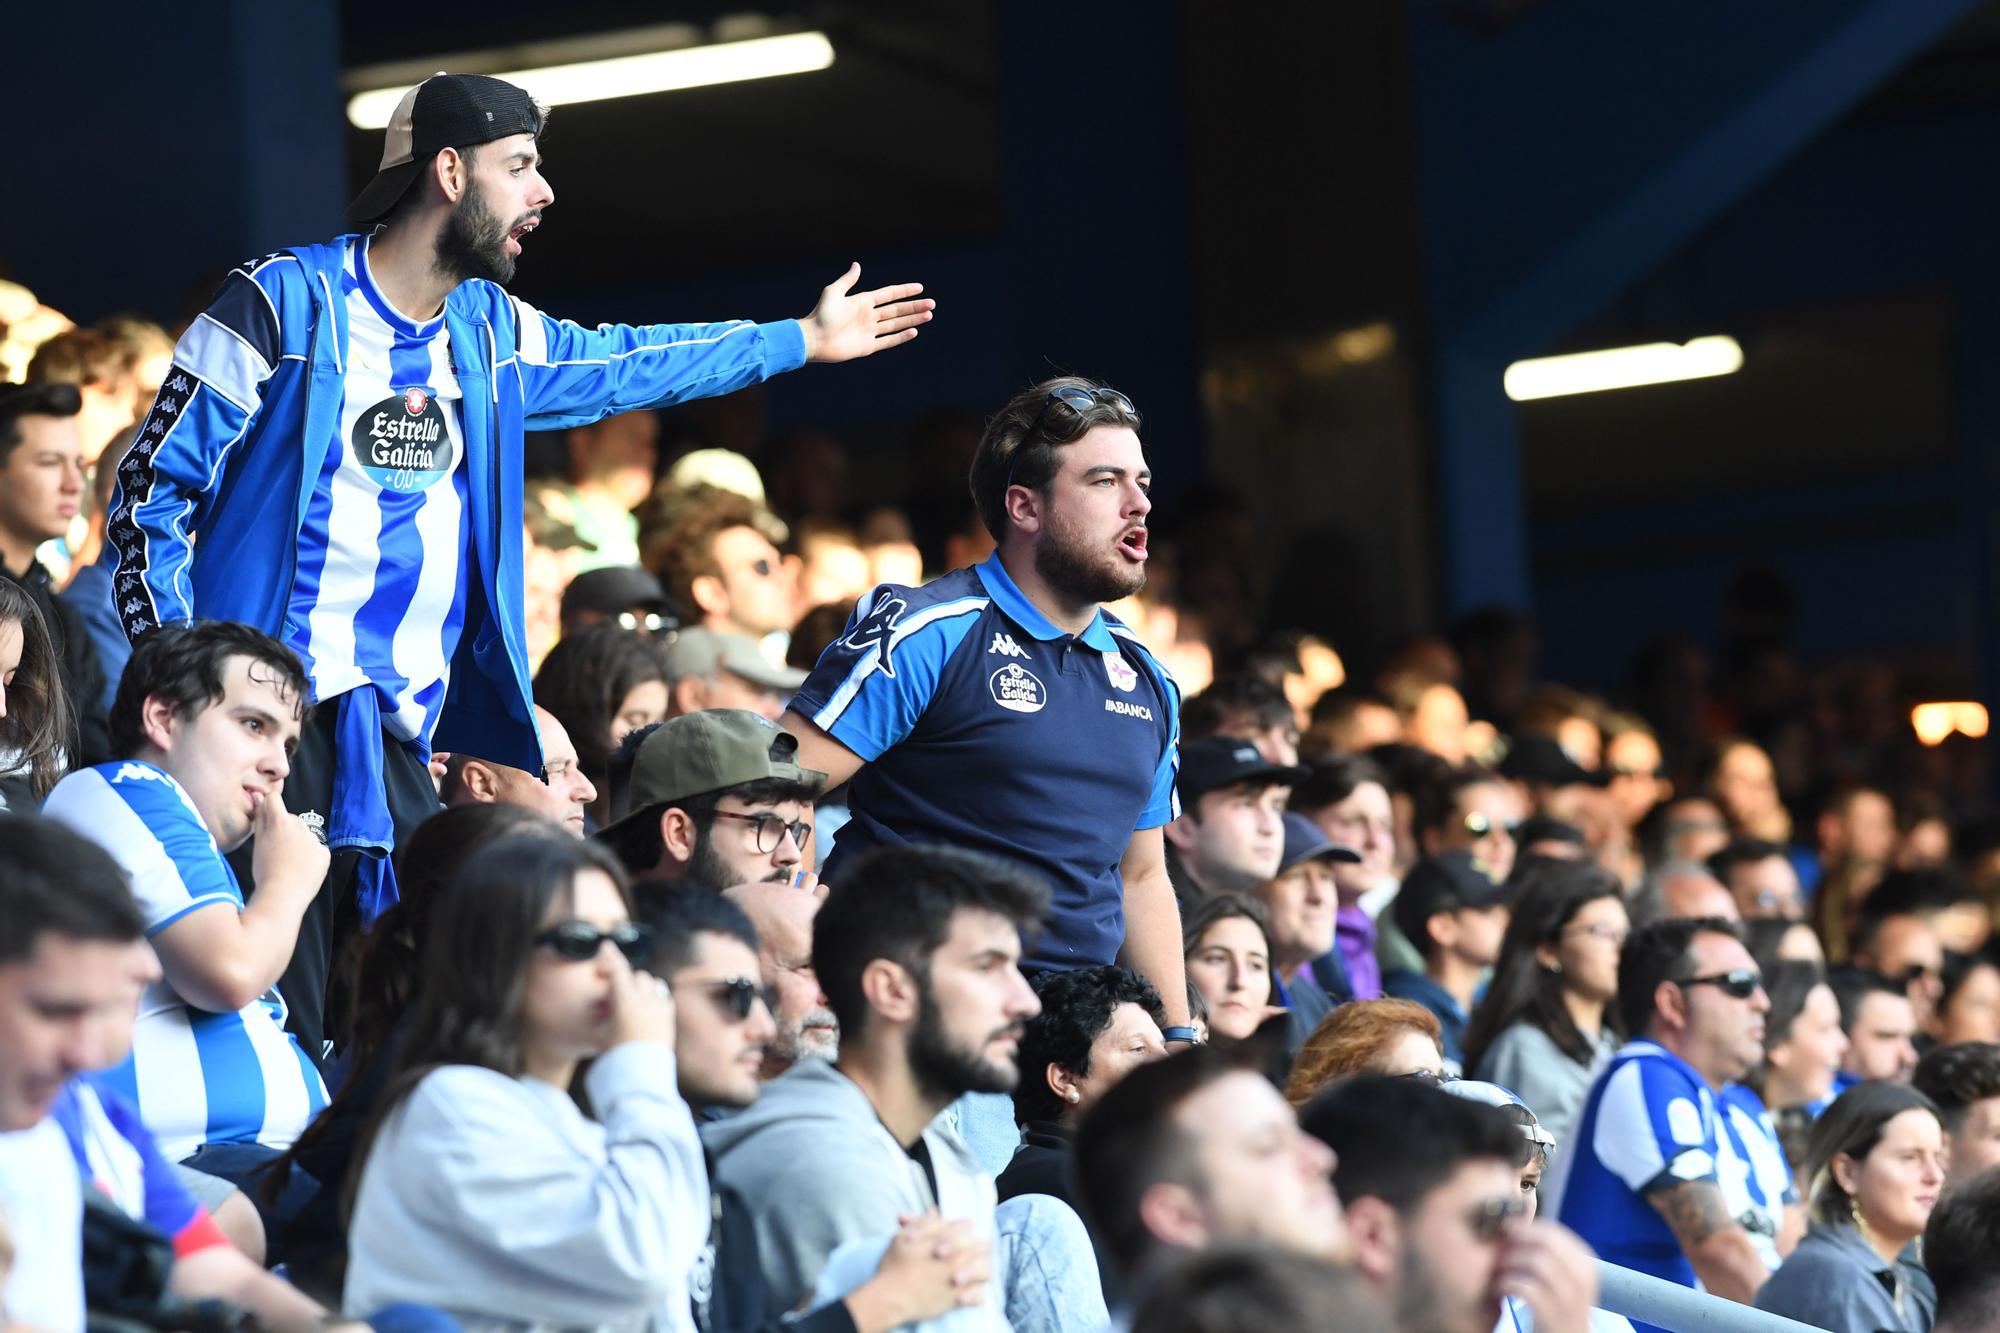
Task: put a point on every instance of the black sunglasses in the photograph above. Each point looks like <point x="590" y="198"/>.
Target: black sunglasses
<point x="769" y="830"/>
<point x="579" y="941"/>
<point x="739" y="995"/>
<point x="1478" y="825"/>
<point x="1079" y="401"/>
<point x="1738" y="984"/>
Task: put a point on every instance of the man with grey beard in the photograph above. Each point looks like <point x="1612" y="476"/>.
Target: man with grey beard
<point x="783" y="917"/>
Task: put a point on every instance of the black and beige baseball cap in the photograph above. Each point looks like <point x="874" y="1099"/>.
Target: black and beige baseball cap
<point x="444" y="111"/>
<point x="696" y="754"/>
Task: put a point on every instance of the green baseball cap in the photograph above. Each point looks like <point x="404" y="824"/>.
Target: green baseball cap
<point x="711" y="751"/>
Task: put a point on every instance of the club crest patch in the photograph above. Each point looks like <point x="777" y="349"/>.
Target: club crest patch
<point x="1122" y="675"/>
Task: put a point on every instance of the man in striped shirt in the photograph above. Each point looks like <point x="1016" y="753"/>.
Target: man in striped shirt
<point x="207" y="716"/>
<point x="336" y="459"/>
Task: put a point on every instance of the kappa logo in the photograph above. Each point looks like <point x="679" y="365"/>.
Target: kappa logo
<point x="1004" y="645"/>
<point x="1017" y="689"/>
<point x="876" y="630"/>
<point x="1121" y="672"/>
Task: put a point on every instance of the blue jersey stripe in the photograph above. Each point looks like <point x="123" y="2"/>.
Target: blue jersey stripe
<point x="231" y="1073"/>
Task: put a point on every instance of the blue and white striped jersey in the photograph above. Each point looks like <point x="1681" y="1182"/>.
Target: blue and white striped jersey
<point x="197" y="1077"/>
<point x="380" y="592"/>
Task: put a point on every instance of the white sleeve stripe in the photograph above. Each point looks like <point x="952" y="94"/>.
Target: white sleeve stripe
<point x="532" y="342"/>
<point x="850" y="688"/>
<point x="546" y="364"/>
<point x="328" y="289"/>
<point x="223" y="359"/>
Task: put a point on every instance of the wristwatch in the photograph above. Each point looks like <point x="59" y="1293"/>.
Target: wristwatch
<point x="1191" y="1036"/>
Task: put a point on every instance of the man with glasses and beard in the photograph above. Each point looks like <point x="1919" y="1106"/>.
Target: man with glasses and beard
<point x="918" y="951"/>
<point x="1661" y="1174"/>
<point x="336" y="458"/>
<point x="999" y="708"/>
<point x="718" y="799"/>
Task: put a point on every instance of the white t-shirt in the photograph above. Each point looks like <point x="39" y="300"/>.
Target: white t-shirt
<point x="41" y="1198"/>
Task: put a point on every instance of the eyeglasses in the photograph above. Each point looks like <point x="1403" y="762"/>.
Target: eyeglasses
<point x="1490" y="1218"/>
<point x="1079" y="401"/>
<point x="739" y="995"/>
<point x="1613" y="935"/>
<point x="1738" y="984"/>
<point x="1479" y="825"/>
<point x="770" y="830"/>
<point x="579" y="941"/>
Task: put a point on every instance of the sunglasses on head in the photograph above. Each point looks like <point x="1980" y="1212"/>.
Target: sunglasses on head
<point x="1078" y="401"/>
<point x="1430" y="1077"/>
<point x="1738" y="983"/>
<point x="739" y="995"/>
<point x="1490" y="1218"/>
<point x="579" y="941"/>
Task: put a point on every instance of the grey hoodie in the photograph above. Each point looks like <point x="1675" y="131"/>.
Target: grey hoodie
<point x="816" y="1168"/>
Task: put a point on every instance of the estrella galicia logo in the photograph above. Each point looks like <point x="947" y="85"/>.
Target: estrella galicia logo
<point x="876" y="630"/>
<point x="1017" y="689"/>
<point x="402" y="443"/>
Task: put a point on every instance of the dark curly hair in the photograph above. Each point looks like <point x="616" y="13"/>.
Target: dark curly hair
<point x="1956" y="1076"/>
<point x="1076" y="1009"/>
<point x="584" y="679"/>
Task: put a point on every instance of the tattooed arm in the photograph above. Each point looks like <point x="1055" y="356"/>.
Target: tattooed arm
<point x="1714" y="1242"/>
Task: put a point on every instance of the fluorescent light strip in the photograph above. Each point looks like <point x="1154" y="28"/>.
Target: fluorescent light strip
<point x="635" y="75"/>
<point x="1622" y="368"/>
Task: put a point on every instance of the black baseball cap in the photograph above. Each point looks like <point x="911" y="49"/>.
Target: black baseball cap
<point x="1543" y="761"/>
<point x="609" y="589"/>
<point x="444" y="111"/>
<point x="1214" y="762"/>
<point x="1305" y="842"/>
<point x="1443" y="883"/>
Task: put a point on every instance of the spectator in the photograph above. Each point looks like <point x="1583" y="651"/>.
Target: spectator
<point x="1683" y="890"/>
<point x="1743" y="782"/>
<point x="1430" y="708"/>
<point x="1877" y="1167"/>
<point x="1959" y="1244"/>
<point x="1653" y="1177"/>
<point x="1804" y="1044"/>
<point x="1397" y="1038"/>
<point x="88" y="591"/>
<point x="783" y="916"/>
<point x="1195" y="1151"/>
<point x="1097" y="1025"/>
<point x="1457" y="916"/>
<point x="718" y="798"/>
<point x="832" y="567"/>
<point x="1881" y="1029"/>
<point x="1773" y="940"/>
<point x="718" y="565"/>
<point x="41" y="490"/>
<point x="975" y="672"/>
<point x="485" y="1191"/>
<point x="206" y="719"/>
<point x="1895" y="939"/>
<point x="71" y="964"/>
<point x="706" y="951"/>
<point x="1686" y="829"/>
<point x="1249" y="708"/>
<point x="611" y="466"/>
<point x="561" y="793"/>
<point x="1555" y="784"/>
<point x="1471" y="810"/>
<point x="37" y="728"/>
<point x="1435" y="1209"/>
<point x="1229" y="962"/>
<point x="1300" y="902"/>
<point x="1410" y="770"/>
<point x="917" y="951"/>
<point x="1857" y="837"/>
<point x="1230" y="835"/>
<point x="149" y="356"/>
<point x="99" y="369"/>
<point x="709" y="669"/>
<point x="1547" y="1023"/>
<point x="1969" y="1006"/>
<point x="1760" y="877"/>
<point x="1351" y="720"/>
<point x="1348" y="797"/>
<point x="624" y="595"/>
<point x="1963" y="1082"/>
<point x="1639" y="780"/>
<point x="1925" y="833"/>
<point x="1537" y="1145"/>
<point x="603" y="684"/>
<point x="1255" y="1288"/>
<point x="1551" y="839"/>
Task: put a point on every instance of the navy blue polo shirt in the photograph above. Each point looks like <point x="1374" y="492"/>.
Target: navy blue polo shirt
<point x="985" y="727"/>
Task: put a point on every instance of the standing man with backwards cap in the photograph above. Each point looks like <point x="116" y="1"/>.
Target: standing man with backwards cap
<point x="342" y="433"/>
<point x="1000" y="709"/>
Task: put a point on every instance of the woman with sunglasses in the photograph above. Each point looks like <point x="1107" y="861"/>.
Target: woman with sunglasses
<point x="486" y="1191"/>
<point x="1877" y="1165"/>
<point x="1546" y="1024"/>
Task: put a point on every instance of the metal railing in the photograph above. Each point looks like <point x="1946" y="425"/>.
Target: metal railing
<point x="1649" y="1300"/>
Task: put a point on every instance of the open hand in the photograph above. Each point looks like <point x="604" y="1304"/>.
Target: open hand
<point x="847" y="324"/>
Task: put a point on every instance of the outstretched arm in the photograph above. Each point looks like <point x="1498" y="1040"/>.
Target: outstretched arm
<point x="847" y="324"/>
<point x="1715" y="1243"/>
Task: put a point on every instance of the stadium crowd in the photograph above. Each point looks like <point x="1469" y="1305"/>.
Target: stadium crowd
<point x="1004" y="930"/>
